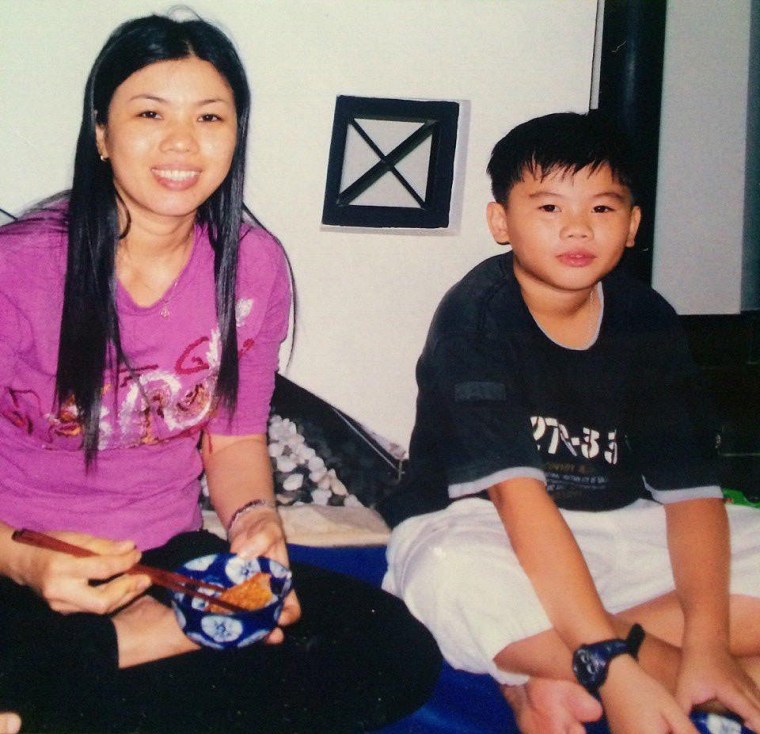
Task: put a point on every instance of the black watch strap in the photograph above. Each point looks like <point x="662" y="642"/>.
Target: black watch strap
<point x="634" y="640"/>
<point x="591" y="662"/>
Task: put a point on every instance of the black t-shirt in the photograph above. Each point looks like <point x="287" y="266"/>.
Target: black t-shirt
<point x="602" y="425"/>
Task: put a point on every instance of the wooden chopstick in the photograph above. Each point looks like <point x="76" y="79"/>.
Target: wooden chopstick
<point x="41" y="540"/>
<point x="168" y="579"/>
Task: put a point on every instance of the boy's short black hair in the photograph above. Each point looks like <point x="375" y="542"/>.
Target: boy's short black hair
<point x="562" y="141"/>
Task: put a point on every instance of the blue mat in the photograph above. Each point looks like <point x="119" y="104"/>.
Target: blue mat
<point x="461" y="703"/>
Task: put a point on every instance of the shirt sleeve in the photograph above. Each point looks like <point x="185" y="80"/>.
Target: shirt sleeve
<point x="485" y="433"/>
<point x="13" y="331"/>
<point x="673" y="432"/>
<point x="263" y="311"/>
<point x="32" y="271"/>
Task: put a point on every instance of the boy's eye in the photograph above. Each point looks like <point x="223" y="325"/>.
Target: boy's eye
<point x="549" y="208"/>
<point x="602" y="208"/>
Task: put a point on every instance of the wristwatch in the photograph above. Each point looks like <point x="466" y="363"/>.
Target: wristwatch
<point x="591" y="662"/>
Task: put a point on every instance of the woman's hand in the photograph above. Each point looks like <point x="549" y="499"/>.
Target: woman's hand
<point x="9" y="723"/>
<point x="238" y="470"/>
<point x="709" y="673"/>
<point x="63" y="581"/>
<point x="259" y="532"/>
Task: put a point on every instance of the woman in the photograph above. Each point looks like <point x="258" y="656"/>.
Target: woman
<point x="142" y="318"/>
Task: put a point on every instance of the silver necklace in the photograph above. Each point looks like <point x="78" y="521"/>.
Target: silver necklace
<point x="165" y="313"/>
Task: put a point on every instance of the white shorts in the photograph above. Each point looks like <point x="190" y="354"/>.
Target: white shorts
<point x="458" y="574"/>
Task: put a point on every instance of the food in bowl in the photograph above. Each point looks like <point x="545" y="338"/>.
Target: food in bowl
<point x="218" y="627"/>
<point x="251" y="594"/>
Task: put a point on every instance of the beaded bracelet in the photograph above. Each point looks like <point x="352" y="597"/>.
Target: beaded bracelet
<point x="247" y="507"/>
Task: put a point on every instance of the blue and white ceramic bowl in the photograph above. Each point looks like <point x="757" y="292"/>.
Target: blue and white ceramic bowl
<point x="715" y="724"/>
<point x="222" y="630"/>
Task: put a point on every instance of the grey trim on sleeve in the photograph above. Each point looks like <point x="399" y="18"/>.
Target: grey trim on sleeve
<point x="463" y="489"/>
<point x="667" y="496"/>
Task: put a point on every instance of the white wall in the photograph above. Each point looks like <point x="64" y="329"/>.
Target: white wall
<point x="700" y="198"/>
<point x="366" y="299"/>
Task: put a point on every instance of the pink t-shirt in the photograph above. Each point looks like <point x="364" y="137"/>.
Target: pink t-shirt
<point x="144" y="484"/>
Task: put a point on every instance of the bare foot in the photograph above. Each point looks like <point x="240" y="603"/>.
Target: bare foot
<point x="544" y="706"/>
<point x="147" y="630"/>
<point x="9" y="723"/>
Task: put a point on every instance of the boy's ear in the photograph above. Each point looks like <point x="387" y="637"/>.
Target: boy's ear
<point x="496" y="215"/>
<point x="633" y="227"/>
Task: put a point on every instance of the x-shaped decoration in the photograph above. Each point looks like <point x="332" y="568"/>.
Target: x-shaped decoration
<point x="387" y="163"/>
<point x="434" y="135"/>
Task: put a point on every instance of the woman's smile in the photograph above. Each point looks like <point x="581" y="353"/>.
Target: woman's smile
<point x="169" y="136"/>
<point x="177" y="179"/>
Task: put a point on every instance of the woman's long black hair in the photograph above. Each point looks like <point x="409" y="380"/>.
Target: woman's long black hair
<point x="89" y="321"/>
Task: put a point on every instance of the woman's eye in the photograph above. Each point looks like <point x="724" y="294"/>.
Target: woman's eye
<point x="149" y="114"/>
<point x="209" y="117"/>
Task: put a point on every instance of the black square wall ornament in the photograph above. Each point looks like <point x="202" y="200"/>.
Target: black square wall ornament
<point x="391" y="163"/>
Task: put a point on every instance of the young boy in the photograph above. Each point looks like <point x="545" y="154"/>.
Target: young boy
<point x="565" y="528"/>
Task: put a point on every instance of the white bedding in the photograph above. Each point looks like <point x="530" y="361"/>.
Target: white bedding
<point x="324" y="526"/>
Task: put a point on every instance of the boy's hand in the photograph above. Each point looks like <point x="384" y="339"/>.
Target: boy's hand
<point x="635" y="703"/>
<point x="711" y="673"/>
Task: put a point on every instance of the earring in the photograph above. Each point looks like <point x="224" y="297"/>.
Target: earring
<point x="103" y="158"/>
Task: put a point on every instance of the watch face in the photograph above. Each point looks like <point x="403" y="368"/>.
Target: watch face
<point x="588" y="665"/>
<point x="590" y="662"/>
